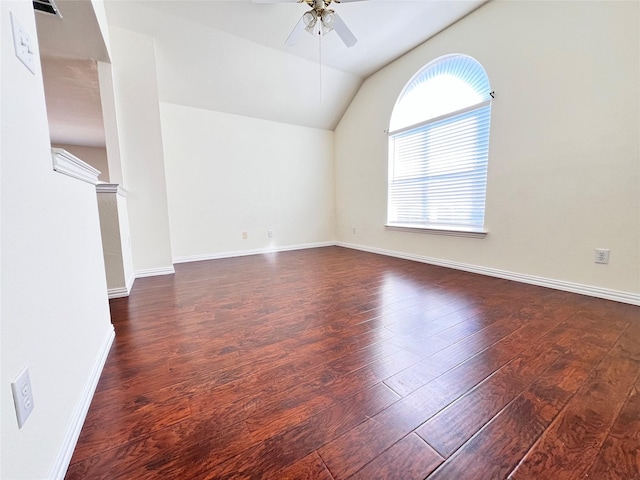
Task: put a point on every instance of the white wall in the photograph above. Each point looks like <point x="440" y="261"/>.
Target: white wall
<point x="225" y="173"/>
<point x="125" y="239"/>
<point x="141" y="152"/>
<point x="228" y="174"/>
<point x="54" y="311"/>
<point x="111" y="245"/>
<point x="101" y="17"/>
<point x="110" y="120"/>
<point x="114" y="227"/>
<point x="94" y="156"/>
<point x="564" y="150"/>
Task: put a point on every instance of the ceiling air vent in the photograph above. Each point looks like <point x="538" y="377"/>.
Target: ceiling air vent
<point x="46" y="6"/>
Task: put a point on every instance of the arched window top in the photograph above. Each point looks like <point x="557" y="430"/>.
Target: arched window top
<point x="448" y="84"/>
<point x="439" y="149"/>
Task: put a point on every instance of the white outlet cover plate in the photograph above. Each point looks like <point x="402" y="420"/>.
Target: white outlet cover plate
<point x="602" y="255"/>
<point x="22" y="396"/>
<point x="23" y="45"/>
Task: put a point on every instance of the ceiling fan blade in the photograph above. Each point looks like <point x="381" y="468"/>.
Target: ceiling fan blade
<point x="295" y="34"/>
<point x="343" y="31"/>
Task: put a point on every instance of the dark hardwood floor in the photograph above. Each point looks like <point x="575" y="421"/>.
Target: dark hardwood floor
<point x="333" y="363"/>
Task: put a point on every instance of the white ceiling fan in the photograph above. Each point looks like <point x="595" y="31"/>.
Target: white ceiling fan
<point x="320" y="20"/>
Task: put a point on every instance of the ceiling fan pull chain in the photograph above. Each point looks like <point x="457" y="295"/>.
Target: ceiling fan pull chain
<point x="320" y="60"/>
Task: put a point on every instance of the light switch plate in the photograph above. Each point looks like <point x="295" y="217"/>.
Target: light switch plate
<point x="22" y="44"/>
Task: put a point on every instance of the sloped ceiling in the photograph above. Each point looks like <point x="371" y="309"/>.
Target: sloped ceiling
<point x="69" y="47"/>
<point x="74" y="35"/>
<point x="72" y="94"/>
<point x="203" y="67"/>
<point x="385" y="29"/>
<point x="230" y="56"/>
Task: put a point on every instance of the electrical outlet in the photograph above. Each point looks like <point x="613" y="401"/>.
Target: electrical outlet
<point x="22" y="396"/>
<point x="245" y="235"/>
<point x="22" y="45"/>
<point x="353" y="230"/>
<point x="270" y="233"/>
<point x="602" y="255"/>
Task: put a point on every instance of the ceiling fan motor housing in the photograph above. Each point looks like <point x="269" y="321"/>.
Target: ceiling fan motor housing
<point x="319" y="5"/>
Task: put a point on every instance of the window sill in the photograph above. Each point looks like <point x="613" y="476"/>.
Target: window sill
<point x="438" y="231"/>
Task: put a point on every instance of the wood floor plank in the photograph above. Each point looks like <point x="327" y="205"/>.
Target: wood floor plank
<point x="420" y="405"/>
<point x="327" y="363"/>
<point x="430" y="368"/>
<point x="298" y="404"/>
<point x="569" y="446"/>
<point x="500" y="445"/>
<point x="348" y="453"/>
<point x="409" y="459"/>
<point x="310" y="467"/>
<point x="454" y="425"/>
<point x="620" y="454"/>
<point x="284" y="377"/>
<point x="120" y="423"/>
<point x="429" y="321"/>
<point x="292" y="445"/>
<point x="185" y="448"/>
<point x="372" y="399"/>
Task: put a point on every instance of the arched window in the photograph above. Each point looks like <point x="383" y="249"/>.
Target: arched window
<point x="439" y="146"/>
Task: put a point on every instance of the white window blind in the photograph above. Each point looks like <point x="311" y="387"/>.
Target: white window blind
<point x="439" y="146"/>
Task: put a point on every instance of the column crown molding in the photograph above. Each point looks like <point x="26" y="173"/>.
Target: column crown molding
<point x="68" y="164"/>
<point x="111" y="188"/>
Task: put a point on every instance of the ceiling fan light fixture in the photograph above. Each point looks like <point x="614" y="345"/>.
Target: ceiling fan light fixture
<point x="328" y="19"/>
<point x="310" y="18"/>
<point x="320" y="20"/>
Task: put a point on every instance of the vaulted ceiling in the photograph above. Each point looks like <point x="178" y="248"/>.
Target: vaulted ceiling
<point x="385" y="29"/>
<point x="230" y="46"/>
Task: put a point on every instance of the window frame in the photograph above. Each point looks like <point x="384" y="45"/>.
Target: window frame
<point x="434" y="228"/>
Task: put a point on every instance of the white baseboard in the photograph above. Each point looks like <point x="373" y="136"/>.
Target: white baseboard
<point x="130" y="282"/>
<point x="118" y="292"/>
<point x="122" y="291"/>
<point x="65" y="453"/>
<point x="152" y="272"/>
<point x="242" y="253"/>
<point x="608" y="294"/>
